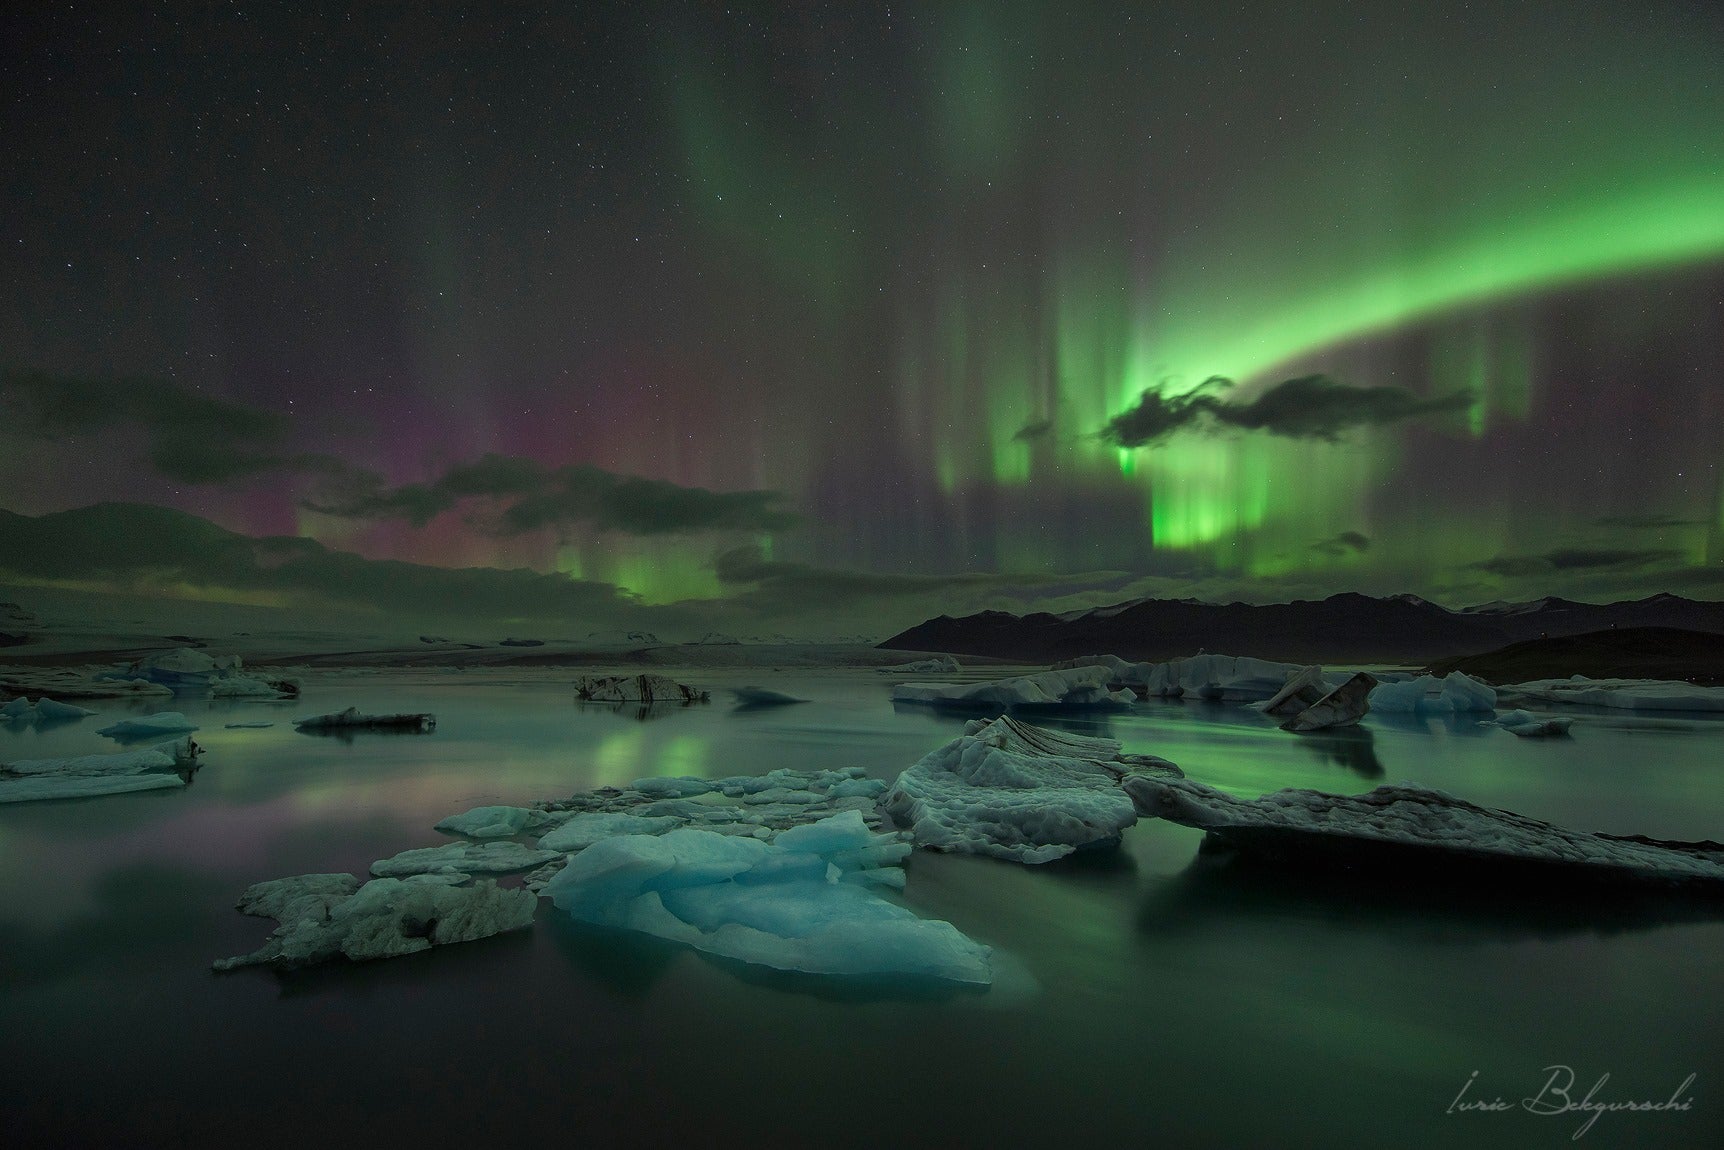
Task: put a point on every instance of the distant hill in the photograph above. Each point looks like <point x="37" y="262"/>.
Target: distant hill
<point x="1623" y="652"/>
<point x="1402" y="629"/>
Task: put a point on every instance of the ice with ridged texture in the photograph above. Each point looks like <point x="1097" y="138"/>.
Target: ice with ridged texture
<point x="1342" y="707"/>
<point x="1621" y="694"/>
<point x="800" y="904"/>
<point x="1409" y="824"/>
<point x="466" y="858"/>
<point x="1019" y="792"/>
<point x="149" y="727"/>
<point x="323" y="916"/>
<point x="582" y="831"/>
<point x="1076" y="688"/>
<point x="87" y="776"/>
<point x="487" y="822"/>
<point x="1454" y="693"/>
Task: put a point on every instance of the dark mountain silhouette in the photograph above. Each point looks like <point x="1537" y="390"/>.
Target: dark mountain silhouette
<point x="1400" y="629"/>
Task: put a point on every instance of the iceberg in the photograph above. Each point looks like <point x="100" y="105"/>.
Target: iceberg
<point x="148" y="727"/>
<point x="1622" y="694"/>
<point x="1342" y="707"/>
<point x="1454" y="693"/>
<point x="646" y="689"/>
<point x="322" y="916"/>
<point x="1406" y="826"/>
<point x="21" y="711"/>
<point x="805" y="903"/>
<point x="1302" y="689"/>
<point x="152" y="768"/>
<point x="1078" y="688"/>
<point x="352" y="719"/>
<point x="1013" y="791"/>
<point x="487" y="822"/>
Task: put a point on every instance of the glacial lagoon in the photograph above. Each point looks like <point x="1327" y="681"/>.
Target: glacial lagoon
<point x="1147" y="996"/>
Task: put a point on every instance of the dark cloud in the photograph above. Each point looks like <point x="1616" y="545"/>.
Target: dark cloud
<point x="133" y="548"/>
<point x="191" y="437"/>
<point x="1310" y="407"/>
<point x="533" y="497"/>
<point x="1034" y="430"/>
<point x="1576" y="559"/>
<point x="1647" y="522"/>
<point x="1346" y="543"/>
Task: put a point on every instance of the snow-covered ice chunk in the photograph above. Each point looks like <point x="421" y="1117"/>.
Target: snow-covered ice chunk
<point x="583" y="831"/>
<point x="1622" y="694"/>
<point x="487" y="822"/>
<point x="1077" y="688"/>
<point x="793" y="907"/>
<point x="322" y="916"/>
<point x="1410" y="825"/>
<point x="467" y="858"/>
<point x="1014" y="791"/>
<point x="149" y="727"/>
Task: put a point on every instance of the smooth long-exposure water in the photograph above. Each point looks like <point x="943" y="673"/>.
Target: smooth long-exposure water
<point x="1148" y="999"/>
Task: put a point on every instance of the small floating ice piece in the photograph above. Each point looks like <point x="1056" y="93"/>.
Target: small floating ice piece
<point x="1019" y="792"/>
<point x="246" y="726"/>
<point x="325" y="916"/>
<point x="938" y="665"/>
<point x="1530" y="726"/>
<point x="149" y="768"/>
<point x="467" y="858"/>
<point x="149" y="727"/>
<point x="353" y="719"/>
<point x="51" y="710"/>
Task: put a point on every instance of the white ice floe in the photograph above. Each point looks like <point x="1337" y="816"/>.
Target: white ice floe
<point x="1076" y="688"/>
<point x="1530" y="726"/>
<point x="329" y="915"/>
<point x="1412" y="824"/>
<point x="938" y="665"/>
<point x="1454" y="693"/>
<point x="636" y="689"/>
<point x="1014" y="791"/>
<point x="1623" y="694"/>
<point x="149" y="727"/>
<point x="467" y="858"/>
<point x="805" y="903"/>
<point x="149" y="768"/>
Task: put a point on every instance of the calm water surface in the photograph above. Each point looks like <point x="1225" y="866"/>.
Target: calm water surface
<point x="1148" y="999"/>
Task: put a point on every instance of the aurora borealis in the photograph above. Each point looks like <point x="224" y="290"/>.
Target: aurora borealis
<point x="818" y="314"/>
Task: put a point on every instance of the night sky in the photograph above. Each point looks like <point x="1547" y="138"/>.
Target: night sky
<point x="842" y="315"/>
